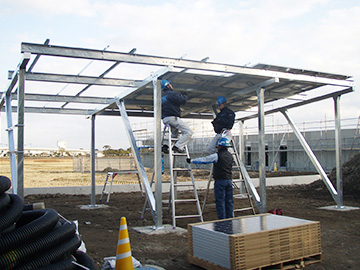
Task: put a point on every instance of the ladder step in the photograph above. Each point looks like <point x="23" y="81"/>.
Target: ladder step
<point x="185" y="200"/>
<point x="179" y="154"/>
<point x="243" y="209"/>
<point x="241" y="196"/>
<point x="239" y="181"/>
<point x="188" y="216"/>
<point x="183" y="185"/>
<point x="181" y="169"/>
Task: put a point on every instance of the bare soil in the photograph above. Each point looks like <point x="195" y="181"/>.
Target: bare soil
<point x="99" y="228"/>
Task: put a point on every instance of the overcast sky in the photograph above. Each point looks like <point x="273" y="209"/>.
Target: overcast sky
<point x="321" y="35"/>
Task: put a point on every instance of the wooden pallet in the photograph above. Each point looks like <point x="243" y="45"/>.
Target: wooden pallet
<point x="285" y="265"/>
<point x="278" y="248"/>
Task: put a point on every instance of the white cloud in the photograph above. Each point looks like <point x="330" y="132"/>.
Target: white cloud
<point x="311" y="34"/>
<point x="50" y="8"/>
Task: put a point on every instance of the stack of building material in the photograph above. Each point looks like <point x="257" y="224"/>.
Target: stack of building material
<point x="253" y="242"/>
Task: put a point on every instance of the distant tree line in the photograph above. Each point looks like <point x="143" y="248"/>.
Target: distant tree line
<point x="109" y="152"/>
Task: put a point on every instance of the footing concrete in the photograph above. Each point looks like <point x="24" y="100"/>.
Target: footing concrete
<point x="165" y="229"/>
<point x="150" y="267"/>
<point x="90" y="207"/>
<point x="336" y="208"/>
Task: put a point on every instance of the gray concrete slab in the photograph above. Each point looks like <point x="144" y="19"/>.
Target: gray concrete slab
<point x="85" y="190"/>
<point x="165" y="229"/>
<point x="90" y="207"/>
<point x="336" y="208"/>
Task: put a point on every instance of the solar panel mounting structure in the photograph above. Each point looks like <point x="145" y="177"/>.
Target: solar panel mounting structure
<point x="67" y="92"/>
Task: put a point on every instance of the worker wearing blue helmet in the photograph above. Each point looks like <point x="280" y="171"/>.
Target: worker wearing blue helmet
<point x="170" y="113"/>
<point x="222" y="174"/>
<point x="222" y="123"/>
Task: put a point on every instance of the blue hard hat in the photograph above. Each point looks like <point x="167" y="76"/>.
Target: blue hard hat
<point x="224" y="142"/>
<point x="164" y="83"/>
<point x="220" y="100"/>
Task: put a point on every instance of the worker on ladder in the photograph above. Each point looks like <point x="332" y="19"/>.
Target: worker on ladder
<point x="170" y="113"/>
<point x="222" y="173"/>
<point x="223" y="123"/>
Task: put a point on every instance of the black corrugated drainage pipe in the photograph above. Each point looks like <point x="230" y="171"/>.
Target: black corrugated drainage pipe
<point x="36" y="239"/>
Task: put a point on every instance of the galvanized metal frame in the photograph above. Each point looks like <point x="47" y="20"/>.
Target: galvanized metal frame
<point x="265" y="77"/>
<point x="16" y="165"/>
<point x="157" y="151"/>
<point x="337" y="194"/>
<point x="10" y="130"/>
<point x="262" y="169"/>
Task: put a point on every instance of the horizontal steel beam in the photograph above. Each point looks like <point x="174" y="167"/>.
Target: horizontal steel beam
<point x="254" y="87"/>
<point x="298" y="104"/>
<point x="64" y="98"/>
<point x="143" y="84"/>
<point x="174" y="62"/>
<point x="77" y="79"/>
<point x="86" y="112"/>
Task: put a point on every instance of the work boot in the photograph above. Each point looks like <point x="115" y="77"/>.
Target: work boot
<point x="165" y="149"/>
<point x="178" y="150"/>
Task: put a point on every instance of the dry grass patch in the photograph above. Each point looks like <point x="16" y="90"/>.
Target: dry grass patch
<point x="57" y="172"/>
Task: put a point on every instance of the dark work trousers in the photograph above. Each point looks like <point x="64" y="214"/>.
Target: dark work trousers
<point x="223" y="192"/>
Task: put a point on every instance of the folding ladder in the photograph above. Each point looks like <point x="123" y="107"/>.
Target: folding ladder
<point x="110" y="179"/>
<point x="240" y="187"/>
<point x="176" y="166"/>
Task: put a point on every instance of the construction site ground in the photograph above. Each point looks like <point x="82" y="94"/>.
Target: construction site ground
<point x="99" y="227"/>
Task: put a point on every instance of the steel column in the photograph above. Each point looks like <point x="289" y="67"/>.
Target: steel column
<point x="10" y="130"/>
<point x="312" y="157"/>
<point x="338" y="152"/>
<point x="241" y="142"/>
<point x="20" y="133"/>
<point x="157" y="151"/>
<point x="93" y="184"/>
<point x="261" y="127"/>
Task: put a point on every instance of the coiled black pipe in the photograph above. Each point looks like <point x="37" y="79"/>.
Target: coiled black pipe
<point x="36" y="239"/>
<point x="84" y="259"/>
<point x="12" y="214"/>
<point x="4" y="201"/>
<point x="61" y="233"/>
<point x="66" y="264"/>
<point x="31" y="225"/>
<point x="5" y="184"/>
<point x="54" y="255"/>
<point x="70" y="263"/>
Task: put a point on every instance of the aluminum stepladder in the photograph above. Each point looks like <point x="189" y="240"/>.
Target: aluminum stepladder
<point x="240" y="186"/>
<point x="110" y="179"/>
<point x="174" y="185"/>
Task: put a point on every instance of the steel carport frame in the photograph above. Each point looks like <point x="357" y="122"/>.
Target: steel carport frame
<point x="203" y="81"/>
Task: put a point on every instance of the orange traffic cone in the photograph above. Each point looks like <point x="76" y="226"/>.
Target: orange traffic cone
<point x="123" y="251"/>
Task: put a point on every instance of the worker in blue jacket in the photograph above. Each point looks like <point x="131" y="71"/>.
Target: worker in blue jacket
<point x="222" y="173"/>
<point x="170" y="114"/>
<point x="223" y="123"/>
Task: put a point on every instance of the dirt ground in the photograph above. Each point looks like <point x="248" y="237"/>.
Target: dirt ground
<point x="340" y="234"/>
<point x="99" y="227"/>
